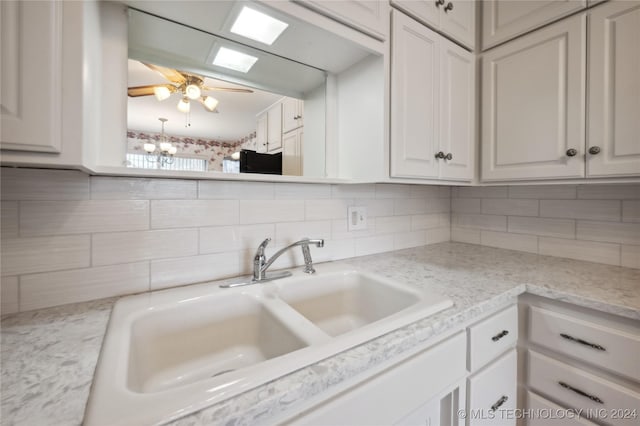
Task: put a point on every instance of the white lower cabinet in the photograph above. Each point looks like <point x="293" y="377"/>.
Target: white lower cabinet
<point x="403" y="392"/>
<point x="578" y="389"/>
<point x="542" y="410"/>
<point x="292" y="148"/>
<point x="493" y="392"/>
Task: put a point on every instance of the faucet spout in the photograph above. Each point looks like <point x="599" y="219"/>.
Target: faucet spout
<point x="305" y="242"/>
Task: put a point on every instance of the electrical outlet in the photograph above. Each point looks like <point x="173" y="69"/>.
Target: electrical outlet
<point x="357" y="218"/>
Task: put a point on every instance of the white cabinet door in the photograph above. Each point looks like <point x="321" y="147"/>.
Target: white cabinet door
<point x="31" y="83"/>
<point x="533" y="104"/>
<point x="492" y="392"/>
<point x="292" y="153"/>
<point x="427" y="11"/>
<point x="369" y="16"/>
<point x="414" y="98"/>
<point x="291" y="114"/>
<point x="458" y="20"/>
<point x="457" y="111"/>
<point x="614" y="89"/>
<point x="261" y="133"/>
<point x="274" y="127"/>
<point x="503" y="20"/>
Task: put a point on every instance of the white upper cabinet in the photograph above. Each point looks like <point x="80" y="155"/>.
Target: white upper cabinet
<point x="31" y="83"/>
<point x="455" y="18"/>
<point x="533" y="104"/>
<point x="292" y="113"/>
<point x="503" y="20"/>
<point x="274" y="127"/>
<point x="614" y="90"/>
<point x="414" y="98"/>
<point x="368" y="16"/>
<point x="432" y="104"/>
<point x="457" y="111"/>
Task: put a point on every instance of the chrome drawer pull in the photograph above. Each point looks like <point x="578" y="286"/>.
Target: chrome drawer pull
<point x="500" y="335"/>
<point x="499" y="402"/>
<point x="579" y="392"/>
<point x="583" y="342"/>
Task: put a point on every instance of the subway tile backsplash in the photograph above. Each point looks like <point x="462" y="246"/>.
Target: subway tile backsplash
<point x="69" y="237"/>
<point x="596" y="223"/>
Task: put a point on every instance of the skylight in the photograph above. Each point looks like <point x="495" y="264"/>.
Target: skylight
<point x="232" y="59"/>
<point x="258" y="26"/>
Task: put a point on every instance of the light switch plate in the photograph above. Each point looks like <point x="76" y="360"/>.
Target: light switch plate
<point x="356" y="218"/>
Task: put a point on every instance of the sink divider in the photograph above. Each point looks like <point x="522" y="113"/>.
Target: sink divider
<point x="296" y="322"/>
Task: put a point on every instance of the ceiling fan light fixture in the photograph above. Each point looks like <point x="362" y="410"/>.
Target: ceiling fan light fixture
<point x="193" y="91"/>
<point x="258" y="26"/>
<point x="183" y="105"/>
<point x="161" y="92"/>
<point x="210" y="103"/>
<point x="234" y="60"/>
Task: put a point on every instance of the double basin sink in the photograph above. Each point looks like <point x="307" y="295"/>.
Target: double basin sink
<point x="170" y="353"/>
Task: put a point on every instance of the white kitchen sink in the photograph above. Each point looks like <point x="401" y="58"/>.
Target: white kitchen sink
<point x="172" y="352"/>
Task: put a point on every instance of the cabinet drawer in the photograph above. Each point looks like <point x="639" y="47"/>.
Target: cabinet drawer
<point x="492" y="336"/>
<point x="575" y="388"/>
<point x="492" y="392"/>
<point x="603" y="346"/>
<point x="541" y="409"/>
<point x="391" y="395"/>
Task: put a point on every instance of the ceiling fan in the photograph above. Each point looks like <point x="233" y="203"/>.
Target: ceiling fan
<point x="189" y="86"/>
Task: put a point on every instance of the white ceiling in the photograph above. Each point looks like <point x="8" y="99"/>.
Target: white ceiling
<point x="236" y="117"/>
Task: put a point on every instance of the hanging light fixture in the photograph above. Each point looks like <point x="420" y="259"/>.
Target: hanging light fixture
<point x="192" y="91"/>
<point x="183" y="105"/>
<point x="162" y="153"/>
<point x="161" y="92"/>
<point x="209" y="102"/>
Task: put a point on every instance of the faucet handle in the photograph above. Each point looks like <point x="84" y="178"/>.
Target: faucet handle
<point x="263" y="245"/>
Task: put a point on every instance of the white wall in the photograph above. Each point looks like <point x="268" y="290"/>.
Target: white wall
<point x="70" y="237"/>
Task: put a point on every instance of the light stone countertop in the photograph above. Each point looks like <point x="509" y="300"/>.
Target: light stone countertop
<point x="48" y="357"/>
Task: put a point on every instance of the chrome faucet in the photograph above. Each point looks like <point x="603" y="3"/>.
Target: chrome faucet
<point x="261" y="264"/>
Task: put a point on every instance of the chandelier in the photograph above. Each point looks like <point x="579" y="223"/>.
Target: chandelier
<point x="162" y="151"/>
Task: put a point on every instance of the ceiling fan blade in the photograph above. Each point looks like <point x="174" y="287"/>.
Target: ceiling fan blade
<point x="141" y="90"/>
<point x="170" y="74"/>
<point x="148" y="89"/>
<point x="226" y="89"/>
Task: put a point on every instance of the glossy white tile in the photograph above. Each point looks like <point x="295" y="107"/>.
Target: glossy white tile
<point x="79" y="285"/>
<point x="393" y="224"/>
<point x="612" y="232"/>
<point x="188" y="270"/>
<point x="630" y="256"/>
<point x="376" y="244"/>
<point x="505" y="240"/>
<point x="465" y="205"/>
<point x="427" y="221"/>
<point x="122" y="188"/>
<point x="560" y="228"/>
<point x="326" y="209"/>
<point x="582" y="209"/>
<point x="9" y="219"/>
<point x="581" y="250"/>
<point x="479" y="221"/>
<point x="126" y="247"/>
<point x="8" y="295"/>
<point x="543" y="192"/>
<point x="218" y="239"/>
<point x="230" y="190"/>
<point x="193" y="213"/>
<point x="42" y="254"/>
<point x="365" y="190"/>
<point x="287" y="233"/>
<point x="510" y="207"/>
<point x="41" y="184"/>
<point x="271" y="211"/>
<point x="631" y="211"/>
<point x="302" y="191"/>
<point x="611" y="191"/>
<point x="39" y="218"/>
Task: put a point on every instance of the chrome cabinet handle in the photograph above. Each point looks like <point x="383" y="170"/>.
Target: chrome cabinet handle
<point x="582" y="342"/>
<point x="440" y="154"/>
<point x="449" y="156"/>
<point x="582" y="393"/>
<point x="572" y="152"/>
<point x="439" y="3"/>
<point x="594" y="150"/>
<point x="448" y="7"/>
<point x="499" y="402"/>
<point x="500" y="335"/>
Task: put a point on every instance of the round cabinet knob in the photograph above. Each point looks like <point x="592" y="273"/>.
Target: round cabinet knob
<point x="594" y="150"/>
<point x="448" y="7"/>
<point x="449" y="156"/>
<point x="572" y="152"/>
<point x="439" y="154"/>
<point x="439" y="3"/>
